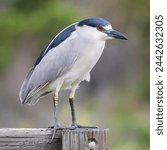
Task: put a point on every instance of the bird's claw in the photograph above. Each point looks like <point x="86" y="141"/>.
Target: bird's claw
<point x="75" y="126"/>
<point x="55" y="128"/>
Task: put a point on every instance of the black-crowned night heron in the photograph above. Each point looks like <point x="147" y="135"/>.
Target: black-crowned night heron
<point x="67" y="61"/>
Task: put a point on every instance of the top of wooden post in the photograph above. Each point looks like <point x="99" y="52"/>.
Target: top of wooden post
<point x="41" y="139"/>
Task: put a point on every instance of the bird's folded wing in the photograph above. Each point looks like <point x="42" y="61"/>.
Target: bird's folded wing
<point x="55" y="63"/>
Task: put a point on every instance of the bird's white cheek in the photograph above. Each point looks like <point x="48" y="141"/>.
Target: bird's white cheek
<point x="90" y="34"/>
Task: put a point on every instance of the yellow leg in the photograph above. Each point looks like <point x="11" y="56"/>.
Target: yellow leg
<point x="56" y="100"/>
<point x="72" y="94"/>
<point x="56" y="125"/>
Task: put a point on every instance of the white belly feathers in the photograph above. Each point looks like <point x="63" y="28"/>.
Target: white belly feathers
<point x="83" y="65"/>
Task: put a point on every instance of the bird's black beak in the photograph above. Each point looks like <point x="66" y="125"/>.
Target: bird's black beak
<point x="115" y="34"/>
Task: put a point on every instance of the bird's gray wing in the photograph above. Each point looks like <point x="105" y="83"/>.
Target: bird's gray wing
<point x="52" y="63"/>
<point x="58" y="39"/>
<point x="55" y="63"/>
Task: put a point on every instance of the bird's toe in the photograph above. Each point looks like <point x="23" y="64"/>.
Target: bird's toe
<point x="75" y="126"/>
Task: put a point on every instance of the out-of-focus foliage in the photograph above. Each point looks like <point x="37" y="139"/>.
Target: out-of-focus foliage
<point x="37" y="18"/>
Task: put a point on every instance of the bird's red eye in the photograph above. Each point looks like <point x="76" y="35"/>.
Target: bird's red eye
<point x="100" y="28"/>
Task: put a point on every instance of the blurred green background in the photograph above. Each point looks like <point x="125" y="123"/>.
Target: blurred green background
<point x="117" y="96"/>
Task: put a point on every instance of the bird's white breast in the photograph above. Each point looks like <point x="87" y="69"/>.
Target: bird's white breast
<point x="88" y="55"/>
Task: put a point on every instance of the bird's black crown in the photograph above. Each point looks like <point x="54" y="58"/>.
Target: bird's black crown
<point x="94" y="22"/>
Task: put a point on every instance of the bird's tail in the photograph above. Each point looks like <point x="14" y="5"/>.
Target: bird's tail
<point x="26" y="94"/>
<point x="32" y="100"/>
<point x="29" y="95"/>
<point x="25" y="88"/>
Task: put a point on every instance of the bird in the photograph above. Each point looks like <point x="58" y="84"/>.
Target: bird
<point x="66" y="62"/>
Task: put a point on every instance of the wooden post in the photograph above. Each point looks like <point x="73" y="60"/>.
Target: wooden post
<point x="40" y="139"/>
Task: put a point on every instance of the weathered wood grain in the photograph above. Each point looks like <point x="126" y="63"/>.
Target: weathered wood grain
<point x="80" y="139"/>
<point x="41" y="139"/>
